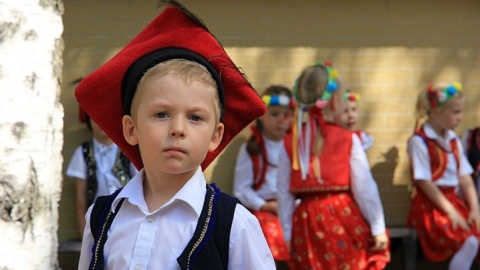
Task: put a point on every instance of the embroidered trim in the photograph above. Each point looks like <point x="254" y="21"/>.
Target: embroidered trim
<point x="316" y="189"/>
<point x="205" y="226"/>
<point x="97" y="247"/>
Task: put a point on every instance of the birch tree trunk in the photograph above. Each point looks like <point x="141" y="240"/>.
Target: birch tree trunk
<point x="31" y="138"/>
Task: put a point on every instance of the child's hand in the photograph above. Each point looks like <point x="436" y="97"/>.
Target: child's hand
<point x="380" y="242"/>
<point x="474" y="219"/>
<point x="270" y="206"/>
<point x="458" y="221"/>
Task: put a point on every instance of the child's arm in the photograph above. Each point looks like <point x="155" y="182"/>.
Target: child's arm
<point x="248" y="247"/>
<point x="470" y="194"/>
<point x="81" y="203"/>
<point x="87" y="244"/>
<point x="438" y="199"/>
<point x="365" y="190"/>
<point x="286" y="201"/>
<point x="243" y="180"/>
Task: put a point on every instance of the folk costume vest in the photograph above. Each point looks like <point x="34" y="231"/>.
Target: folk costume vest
<point x="209" y="246"/>
<point x="438" y="155"/>
<point x="334" y="162"/>
<point x="473" y="150"/>
<point x="121" y="170"/>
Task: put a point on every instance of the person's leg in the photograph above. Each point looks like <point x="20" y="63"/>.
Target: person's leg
<point x="464" y="257"/>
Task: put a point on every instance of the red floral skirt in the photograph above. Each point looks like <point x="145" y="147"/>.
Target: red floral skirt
<point x="438" y="239"/>
<point x="329" y="232"/>
<point x="273" y="233"/>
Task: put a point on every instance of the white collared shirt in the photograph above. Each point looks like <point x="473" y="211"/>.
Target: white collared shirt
<point x="420" y="160"/>
<point x="243" y="177"/>
<point x="105" y="156"/>
<point x="363" y="187"/>
<point x="140" y="239"/>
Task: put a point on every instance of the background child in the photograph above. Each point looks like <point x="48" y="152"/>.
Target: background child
<point x="255" y="178"/>
<point x="176" y="100"/>
<point x="98" y="167"/>
<point x="351" y="118"/>
<point x="446" y="225"/>
<point x="339" y="223"/>
<point x="471" y="144"/>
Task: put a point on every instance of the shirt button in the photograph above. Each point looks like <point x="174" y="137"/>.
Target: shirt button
<point x="150" y="219"/>
<point x="138" y="267"/>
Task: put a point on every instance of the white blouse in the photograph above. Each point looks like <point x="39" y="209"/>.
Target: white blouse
<point x="420" y="159"/>
<point x="243" y="177"/>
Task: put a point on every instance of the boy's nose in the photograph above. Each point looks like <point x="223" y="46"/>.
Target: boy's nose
<point x="179" y="134"/>
<point x="177" y="129"/>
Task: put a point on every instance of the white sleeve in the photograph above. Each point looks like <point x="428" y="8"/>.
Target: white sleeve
<point x="465" y="139"/>
<point x="465" y="166"/>
<point x="364" y="188"/>
<point x="248" y="246"/>
<point x="367" y="140"/>
<point x="87" y="243"/>
<point x="77" y="168"/>
<point x="419" y="159"/>
<point x="243" y="180"/>
<point x="285" y="199"/>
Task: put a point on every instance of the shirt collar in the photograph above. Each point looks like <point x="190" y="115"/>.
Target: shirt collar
<point x="430" y="132"/>
<point x="192" y="193"/>
<point x="100" y="147"/>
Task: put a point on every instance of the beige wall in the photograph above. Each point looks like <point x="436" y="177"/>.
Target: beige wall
<point x="386" y="50"/>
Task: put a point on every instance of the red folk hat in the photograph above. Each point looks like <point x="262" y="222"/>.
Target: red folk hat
<point x="107" y="93"/>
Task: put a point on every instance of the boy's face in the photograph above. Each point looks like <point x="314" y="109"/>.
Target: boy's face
<point x="351" y="115"/>
<point x="276" y="122"/>
<point x="174" y="124"/>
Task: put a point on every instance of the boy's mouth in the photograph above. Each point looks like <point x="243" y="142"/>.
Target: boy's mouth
<point x="174" y="149"/>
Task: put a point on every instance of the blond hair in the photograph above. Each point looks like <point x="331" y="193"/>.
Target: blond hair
<point x="186" y="70"/>
<point x="426" y="103"/>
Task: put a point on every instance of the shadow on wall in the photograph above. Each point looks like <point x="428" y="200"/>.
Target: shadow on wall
<point x="385" y="170"/>
<point x="223" y="172"/>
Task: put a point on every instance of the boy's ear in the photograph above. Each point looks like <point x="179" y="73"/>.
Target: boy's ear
<point x="217" y="137"/>
<point x="129" y="130"/>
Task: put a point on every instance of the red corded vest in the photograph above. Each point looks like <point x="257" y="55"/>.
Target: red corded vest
<point x="438" y="155"/>
<point x="334" y="162"/>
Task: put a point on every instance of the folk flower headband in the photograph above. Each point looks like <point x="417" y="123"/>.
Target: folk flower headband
<point x="278" y="100"/>
<point x="351" y="96"/>
<point x="332" y="85"/>
<point x="437" y="97"/>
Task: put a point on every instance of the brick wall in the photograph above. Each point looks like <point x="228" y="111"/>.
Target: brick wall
<point x="386" y="50"/>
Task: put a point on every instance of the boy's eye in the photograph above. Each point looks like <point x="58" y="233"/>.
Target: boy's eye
<point x="161" y="115"/>
<point x="195" y="118"/>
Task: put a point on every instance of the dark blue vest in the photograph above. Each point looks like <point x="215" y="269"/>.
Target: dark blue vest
<point x="209" y="246"/>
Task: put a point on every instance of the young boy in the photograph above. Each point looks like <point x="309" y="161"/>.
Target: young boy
<point x="98" y="168"/>
<point x="183" y="101"/>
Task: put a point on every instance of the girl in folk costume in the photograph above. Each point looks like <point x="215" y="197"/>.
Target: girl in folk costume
<point x="255" y="180"/>
<point x="351" y="119"/>
<point x="471" y="142"/>
<point x="339" y="223"/>
<point x="447" y="226"/>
